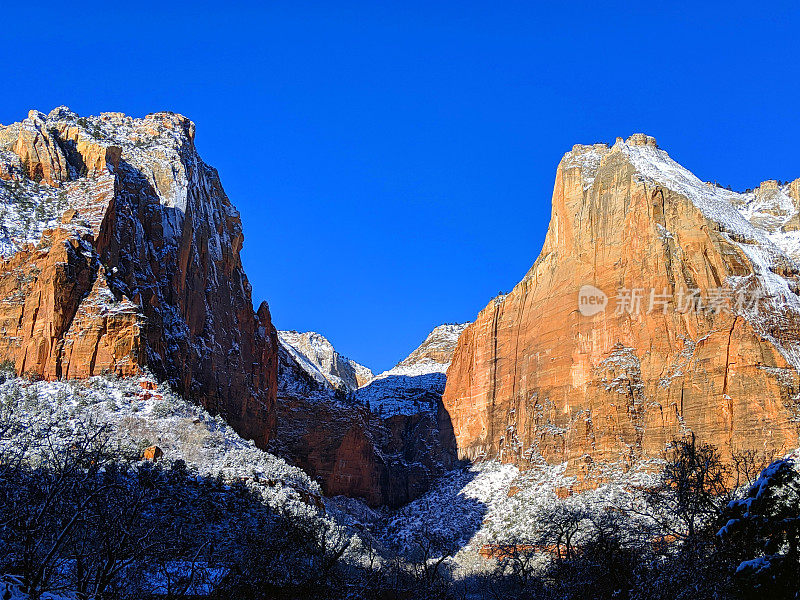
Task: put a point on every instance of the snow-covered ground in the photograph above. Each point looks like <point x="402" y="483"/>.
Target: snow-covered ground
<point x="137" y="418"/>
<point x="38" y="419"/>
<point x="494" y="503"/>
<point x="11" y="588"/>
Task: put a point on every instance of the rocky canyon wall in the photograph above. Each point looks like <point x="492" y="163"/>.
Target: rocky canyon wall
<point x="121" y="251"/>
<point x="381" y="442"/>
<point x="680" y="346"/>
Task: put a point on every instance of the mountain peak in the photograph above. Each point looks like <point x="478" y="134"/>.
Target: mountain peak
<point x="536" y="377"/>
<point x="436" y="352"/>
<point x="317" y="356"/>
<point x="639" y="139"/>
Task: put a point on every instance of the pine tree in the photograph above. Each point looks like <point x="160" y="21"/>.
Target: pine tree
<point x="762" y="533"/>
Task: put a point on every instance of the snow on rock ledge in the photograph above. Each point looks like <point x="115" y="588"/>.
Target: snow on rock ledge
<point x="122" y="250"/>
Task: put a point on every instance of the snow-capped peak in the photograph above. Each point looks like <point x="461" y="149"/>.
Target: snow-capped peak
<point x="433" y="355"/>
<point x="763" y="223"/>
<point x="317" y="356"/>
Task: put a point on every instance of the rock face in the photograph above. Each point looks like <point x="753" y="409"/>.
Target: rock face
<point x="774" y="207"/>
<point x="435" y="353"/>
<point x="386" y="457"/>
<point x="323" y="362"/>
<point x="122" y="252"/>
<point x="546" y="372"/>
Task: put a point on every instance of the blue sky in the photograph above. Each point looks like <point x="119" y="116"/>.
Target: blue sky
<point x="394" y="161"/>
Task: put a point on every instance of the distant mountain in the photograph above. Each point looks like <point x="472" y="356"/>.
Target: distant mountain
<point x="319" y="358"/>
<point x="417" y="382"/>
<point x="434" y="354"/>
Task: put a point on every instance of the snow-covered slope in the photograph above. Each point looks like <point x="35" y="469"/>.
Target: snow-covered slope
<point x="752" y="216"/>
<point x="741" y="215"/>
<point x="41" y="421"/>
<point x="417" y="382"/>
<point x="774" y="208"/>
<point x="433" y="355"/>
<point x="137" y="413"/>
<point x="27" y="208"/>
<point x="491" y="502"/>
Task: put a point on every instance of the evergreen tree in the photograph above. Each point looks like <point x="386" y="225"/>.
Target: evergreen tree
<point x="762" y="532"/>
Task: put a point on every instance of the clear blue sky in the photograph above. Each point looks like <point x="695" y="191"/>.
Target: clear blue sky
<point x="393" y="161"/>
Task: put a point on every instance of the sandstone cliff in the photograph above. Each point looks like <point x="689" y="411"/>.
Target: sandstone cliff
<point x="534" y="377"/>
<point x="122" y="252"/>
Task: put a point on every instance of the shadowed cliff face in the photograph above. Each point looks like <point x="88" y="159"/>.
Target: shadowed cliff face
<point x="534" y="376"/>
<point x="383" y="443"/>
<point x="122" y="251"/>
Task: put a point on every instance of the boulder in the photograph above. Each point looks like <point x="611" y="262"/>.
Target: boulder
<point x="152" y="453"/>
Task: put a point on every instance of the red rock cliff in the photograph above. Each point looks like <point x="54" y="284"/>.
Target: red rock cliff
<point x="122" y="251"/>
<point x="535" y="377"/>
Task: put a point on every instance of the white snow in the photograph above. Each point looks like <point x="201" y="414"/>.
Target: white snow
<point x="454" y="509"/>
<point x="416" y="383"/>
<point x="26" y="210"/>
<point x="390" y="394"/>
<point x="494" y="503"/>
<point x="317" y="356"/>
<point x="308" y="366"/>
<point x="137" y="418"/>
<point x="587" y="159"/>
<point x="767" y="250"/>
<point x="715" y="203"/>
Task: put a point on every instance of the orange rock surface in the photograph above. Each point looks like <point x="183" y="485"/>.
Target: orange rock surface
<point x="122" y="252"/>
<point x="152" y="453"/>
<point x="535" y="377"/>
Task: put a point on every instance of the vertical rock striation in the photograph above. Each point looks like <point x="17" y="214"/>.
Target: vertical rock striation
<point x="122" y="252"/>
<point x="535" y="377"/>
